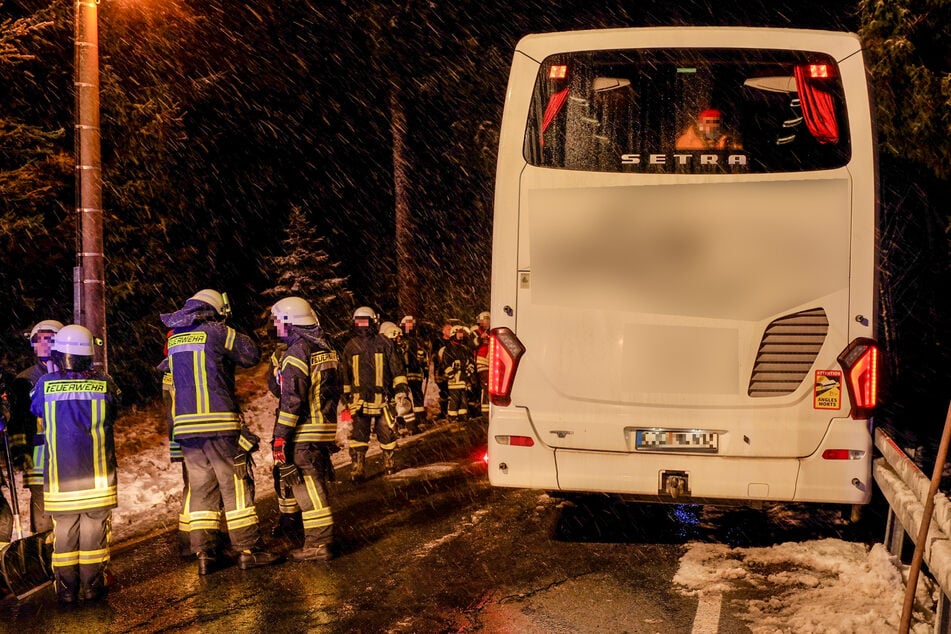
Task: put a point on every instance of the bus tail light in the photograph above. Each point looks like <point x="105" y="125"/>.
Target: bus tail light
<point x="516" y="441"/>
<point x="859" y="361"/>
<point x="505" y="350"/>
<point x="843" y="454"/>
<point x="821" y="71"/>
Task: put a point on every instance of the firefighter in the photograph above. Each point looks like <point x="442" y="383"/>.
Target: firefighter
<point x="26" y="432"/>
<point x="78" y="406"/>
<point x="290" y="525"/>
<point x="6" y="513"/>
<point x="202" y="354"/>
<point x="372" y="373"/>
<point x="417" y="369"/>
<point x="439" y="368"/>
<point x="176" y="456"/>
<point x="175" y="452"/>
<point x="308" y="386"/>
<point x="457" y="359"/>
<point x="480" y="340"/>
<point x="401" y="411"/>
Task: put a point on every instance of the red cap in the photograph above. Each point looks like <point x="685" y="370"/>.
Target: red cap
<point x="710" y="113"/>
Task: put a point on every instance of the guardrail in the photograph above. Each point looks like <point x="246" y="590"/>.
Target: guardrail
<point x="906" y="488"/>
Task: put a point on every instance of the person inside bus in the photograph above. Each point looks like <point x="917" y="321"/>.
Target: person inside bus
<point x="707" y="133"/>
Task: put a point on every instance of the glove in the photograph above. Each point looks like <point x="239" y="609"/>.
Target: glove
<point x="289" y="475"/>
<point x="243" y="465"/>
<point x="277" y="449"/>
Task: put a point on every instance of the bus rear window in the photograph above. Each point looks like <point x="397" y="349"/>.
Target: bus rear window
<point x="688" y="111"/>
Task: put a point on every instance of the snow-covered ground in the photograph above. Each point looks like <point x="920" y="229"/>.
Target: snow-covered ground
<point x="825" y="586"/>
<point x="820" y="586"/>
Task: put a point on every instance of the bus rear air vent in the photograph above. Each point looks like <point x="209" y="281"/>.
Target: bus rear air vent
<point x="789" y="347"/>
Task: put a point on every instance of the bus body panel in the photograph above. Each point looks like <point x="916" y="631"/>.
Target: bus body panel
<point x="740" y="478"/>
<point x="643" y="301"/>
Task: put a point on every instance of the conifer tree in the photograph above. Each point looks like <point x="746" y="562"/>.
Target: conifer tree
<point x="35" y="172"/>
<point x="303" y="268"/>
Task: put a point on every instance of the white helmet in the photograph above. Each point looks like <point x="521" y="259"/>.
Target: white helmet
<point x="390" y="330"/>
<point x="47" y="325"/>
<point x="218" y="301"/>
<point x="295" y="311"/>
<point x="484" y="315"/>
<point x="73" y="348"/>
<point x="457" y="329"/>
<point x="365" y="311"/>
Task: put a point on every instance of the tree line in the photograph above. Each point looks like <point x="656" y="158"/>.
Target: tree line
<point x="346" y="150"/>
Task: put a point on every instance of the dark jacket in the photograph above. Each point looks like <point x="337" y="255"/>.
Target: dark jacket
<point x="202" y="354"/>
<point x="25" y="436"/>
<point x="307" y="382"/>
<point x="458" y="366"/>
<point x="78" y="411"/>
<point x="372" y="372"/>
<point x="414" y="357"/>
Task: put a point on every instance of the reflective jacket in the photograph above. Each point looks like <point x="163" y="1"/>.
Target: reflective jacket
<point x="78" y="411"/>
<point x="202" y="354"/>
<point x="458" y="366"/>
<point x="414" y="357"/>
<point x="307" y="382"/>
<point x="26" y="433"/>
<point x="372" y="373"/>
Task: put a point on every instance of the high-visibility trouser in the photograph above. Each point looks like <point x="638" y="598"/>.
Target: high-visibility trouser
<point x="360" y="435"/>
<point x="311" y="493"/>
<point x="419" y="400"/>
<point x="184" y="515"/>
<point x="81" y="548"/>
<point x="458" y="404"/>
<point x="214" y="485"/>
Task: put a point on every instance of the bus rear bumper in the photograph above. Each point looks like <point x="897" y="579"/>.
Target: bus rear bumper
<point x="680" y="478"/>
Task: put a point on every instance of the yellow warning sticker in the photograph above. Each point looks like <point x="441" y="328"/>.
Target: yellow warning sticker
<point x="828" y="390"/>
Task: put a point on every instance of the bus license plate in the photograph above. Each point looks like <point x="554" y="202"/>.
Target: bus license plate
<point x="699" y="441"/>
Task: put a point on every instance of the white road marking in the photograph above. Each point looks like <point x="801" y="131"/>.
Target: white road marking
<point x="707" y="620"/>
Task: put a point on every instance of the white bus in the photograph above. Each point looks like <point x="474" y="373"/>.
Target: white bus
<point x="684" y="267"/>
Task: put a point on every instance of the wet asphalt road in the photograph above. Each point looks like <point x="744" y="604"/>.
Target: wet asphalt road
<point x="435" y="549"/>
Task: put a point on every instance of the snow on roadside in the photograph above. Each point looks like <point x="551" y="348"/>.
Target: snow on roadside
<point x="819" y="586"/>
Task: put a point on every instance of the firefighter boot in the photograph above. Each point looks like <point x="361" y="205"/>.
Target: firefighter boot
<point x="389" y="461"/>
<point x="358" y="469"/>
<point x="256" y="556"/>
<point x="320" y="552"/>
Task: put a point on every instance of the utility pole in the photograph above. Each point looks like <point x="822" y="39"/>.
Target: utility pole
<point x="89" y="276"/>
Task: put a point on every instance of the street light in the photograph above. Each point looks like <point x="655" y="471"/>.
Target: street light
<point x="88" y="277"/>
